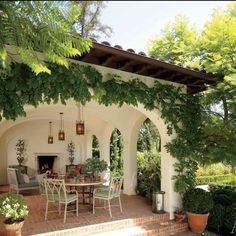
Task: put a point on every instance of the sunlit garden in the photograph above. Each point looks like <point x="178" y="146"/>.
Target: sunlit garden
<point x="96" y="122"/>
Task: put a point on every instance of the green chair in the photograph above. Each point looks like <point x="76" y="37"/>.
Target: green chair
<point x="107" y="194"/>
<point x="57" y="193"/>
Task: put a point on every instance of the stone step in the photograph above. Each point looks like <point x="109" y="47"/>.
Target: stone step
<point x="157" y="229"/>
<point x="140" y="226"/>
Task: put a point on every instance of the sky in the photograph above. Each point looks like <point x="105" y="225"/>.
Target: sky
<point x="135" y="22"/>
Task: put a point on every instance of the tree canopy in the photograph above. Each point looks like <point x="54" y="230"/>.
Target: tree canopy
<point x="44" y="26"/>
<point x="212" y="49"/>
<point x="88" y="23"/>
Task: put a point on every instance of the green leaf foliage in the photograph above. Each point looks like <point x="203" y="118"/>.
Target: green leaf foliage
<point x="116" y="153"/>
<point x="223" y="214"/>
<point x="82" y="83"/>
<point x="197" y="201"/>
<point x="149" y="172"/>
<point x="211" y="49"/>
<point x="44" y="26"/>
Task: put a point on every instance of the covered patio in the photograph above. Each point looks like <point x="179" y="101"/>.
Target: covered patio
<point x="100" y="120"/>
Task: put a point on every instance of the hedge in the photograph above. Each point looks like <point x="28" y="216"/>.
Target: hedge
<point x="228" y="179"/>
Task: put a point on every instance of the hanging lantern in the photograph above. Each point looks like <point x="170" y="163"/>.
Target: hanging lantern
<point x="80" y="122"/>
<point x="61" y="133"/>
<point x="50" y="137"/>
<point x="80" y="127"/>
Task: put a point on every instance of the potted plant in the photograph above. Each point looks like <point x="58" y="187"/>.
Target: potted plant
<point x="197" y="203"/>
<point x="20" y="151"/>
<point x="179" y="215"/>
<point x="71" y="150"/>
<point x="13" y="207"/>
<point x="96" y="166"/>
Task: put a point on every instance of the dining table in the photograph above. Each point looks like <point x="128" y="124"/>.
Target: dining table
<point x="77" y="184"/>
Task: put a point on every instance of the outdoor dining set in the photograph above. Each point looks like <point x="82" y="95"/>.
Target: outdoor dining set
<point x="62" y="190"/>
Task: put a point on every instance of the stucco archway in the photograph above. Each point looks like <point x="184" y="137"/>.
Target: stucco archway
<point x="99" y="120"/>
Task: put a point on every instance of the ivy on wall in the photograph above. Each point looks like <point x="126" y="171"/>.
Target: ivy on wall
<point x="180" y="111"/>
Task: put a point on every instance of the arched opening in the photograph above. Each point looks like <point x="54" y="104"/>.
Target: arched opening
<point x="148" y="159"/>
<point x="95" y="147"/>
<point x="116" y="153"/>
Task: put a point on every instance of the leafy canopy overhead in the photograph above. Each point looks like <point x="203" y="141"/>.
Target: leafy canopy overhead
<point x="212" y="49"/>
<point x="175" y="42"/>
<point x="45" y="26"/>
<point x="88" y="23"/>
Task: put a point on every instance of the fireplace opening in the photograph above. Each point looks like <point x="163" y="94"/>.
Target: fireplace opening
<point x="45" y="163"/>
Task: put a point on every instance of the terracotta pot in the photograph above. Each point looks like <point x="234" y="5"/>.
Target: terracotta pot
<point x="179" y="217"/>
<point x="14" y="229"/>
<point x="197" y="222"/>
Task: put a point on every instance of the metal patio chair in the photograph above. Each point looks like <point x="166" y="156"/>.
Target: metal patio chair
<point x="107" y="194"/>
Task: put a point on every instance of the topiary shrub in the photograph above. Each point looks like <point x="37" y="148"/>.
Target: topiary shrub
<point x="225" y="197"/>
<point x="216" y="217"/>
<point x="197" y="201"/>
<point x="230" y="217"/>
<point x="223" y="214"/>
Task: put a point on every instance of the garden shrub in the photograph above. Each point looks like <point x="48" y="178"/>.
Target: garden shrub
<point x="213" y="187"/>
<point x="213" y="169"/>
<point x="216" y="217"/>
<point x="149" y="172"/>
<point x="228" y="179"/>
<point x="230" y="216"/>
<point x="197" y="201"/>
<point x="223" y="214"/>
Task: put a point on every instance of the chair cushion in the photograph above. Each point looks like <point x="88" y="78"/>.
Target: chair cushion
<point x="19" y="177"/>
<point x="55" y="197"/>
<point x="30" y="184"/>
<point x="103" y="194"/>
<point x="26" y="178"/>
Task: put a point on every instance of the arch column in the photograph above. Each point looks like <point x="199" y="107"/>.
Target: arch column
<point x="130" y="156"/>
<point x="172" y="199"/>
<point x="104" y="148"/>
<point x="86" y="147"/>
<point x="104" y="144"/>
<point x="89" y="146"/>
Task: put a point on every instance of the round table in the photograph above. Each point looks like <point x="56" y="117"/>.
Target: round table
<point x="83" y="184"/>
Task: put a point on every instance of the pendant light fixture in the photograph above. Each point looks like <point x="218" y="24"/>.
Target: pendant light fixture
<point x="61" y="133"/>
<point x="50" y="137"/>
<point x="80" y="121"/>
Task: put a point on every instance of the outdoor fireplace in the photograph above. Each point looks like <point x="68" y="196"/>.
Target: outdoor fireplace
<point x="46" y="163"/>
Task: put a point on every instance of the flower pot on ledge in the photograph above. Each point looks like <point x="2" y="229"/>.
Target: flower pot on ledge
<point x="179" y="216"/>
<point x="14" y="229"/>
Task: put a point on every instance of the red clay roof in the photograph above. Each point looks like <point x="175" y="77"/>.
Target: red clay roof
<point x="104" y="54"/>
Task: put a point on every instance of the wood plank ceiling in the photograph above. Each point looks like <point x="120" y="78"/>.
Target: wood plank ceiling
<point x="115" y="57"/>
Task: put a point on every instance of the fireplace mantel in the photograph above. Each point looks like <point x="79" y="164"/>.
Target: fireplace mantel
<point x="47" y="154"/>
<point x="57" y="155"/>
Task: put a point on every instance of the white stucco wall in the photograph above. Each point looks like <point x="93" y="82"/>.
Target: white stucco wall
<point x="99" y="120"/>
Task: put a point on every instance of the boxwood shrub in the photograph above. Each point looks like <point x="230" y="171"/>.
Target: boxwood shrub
<point x="223" y="214"/>
<point x="197" y="201"/>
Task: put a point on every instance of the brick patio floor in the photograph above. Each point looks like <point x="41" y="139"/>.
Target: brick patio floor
<point x="135" y="208"/>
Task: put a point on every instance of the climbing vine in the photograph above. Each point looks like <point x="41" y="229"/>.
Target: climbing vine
<point x="180" y="111"/>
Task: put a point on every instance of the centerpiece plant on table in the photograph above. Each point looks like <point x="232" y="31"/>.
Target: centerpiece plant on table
<point x="96" y="166"/>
